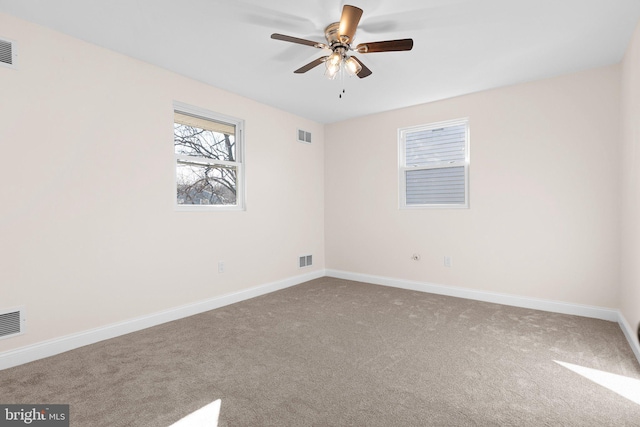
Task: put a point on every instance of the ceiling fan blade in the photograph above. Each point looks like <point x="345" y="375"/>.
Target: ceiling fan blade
<point x="386" y="46"/>
<point x="364" y="71"/>
<point x="349" y="22"/>
<point x="311" y="65"/>
<point x="290" y="39"/>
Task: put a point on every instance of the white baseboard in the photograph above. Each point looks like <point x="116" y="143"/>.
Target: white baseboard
<point x="630" y="334"/>
<point x="55" y="346"/>
<point x="609" y="314"/>
<point x="498" y="298"/>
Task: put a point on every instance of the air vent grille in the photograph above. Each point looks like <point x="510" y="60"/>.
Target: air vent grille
<point x="306" y="261"/>
<point x="304" y="136"/>
<point x="6" y="52"/>
<point x="11" y="323"/>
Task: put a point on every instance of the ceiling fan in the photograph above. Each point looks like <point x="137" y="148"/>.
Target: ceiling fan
<point x="339" y="37"/>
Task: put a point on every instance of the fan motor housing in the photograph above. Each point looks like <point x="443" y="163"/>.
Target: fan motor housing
<point x="331" y="34"/>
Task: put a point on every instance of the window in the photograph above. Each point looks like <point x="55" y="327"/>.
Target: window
<point x="209" y="160"/>
<point x="434" y="165"/>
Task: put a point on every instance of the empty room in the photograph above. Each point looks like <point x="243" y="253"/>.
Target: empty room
<point x="320" y="213"/>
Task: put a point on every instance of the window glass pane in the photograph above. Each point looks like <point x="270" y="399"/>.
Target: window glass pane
<point x="436" y="186"/>
<point x="204" y="138"/>
<point x="435" y="145"/>
<point x="203" y="184"/>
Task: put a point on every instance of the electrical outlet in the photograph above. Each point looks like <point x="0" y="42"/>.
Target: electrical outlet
<point x="448" y="261"/>
<point x="220" y="266"/>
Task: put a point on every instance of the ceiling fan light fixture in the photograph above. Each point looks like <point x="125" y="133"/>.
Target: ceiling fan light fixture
<point x="334" y="59"/>
<point x="353" y="67"/>
<point x="333" y="64"/>
<point x="332" y="70"/>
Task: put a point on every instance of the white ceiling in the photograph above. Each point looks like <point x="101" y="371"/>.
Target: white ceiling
<point x="460" y="46"/>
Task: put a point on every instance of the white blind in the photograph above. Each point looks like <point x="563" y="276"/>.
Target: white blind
<point x="435" y="186"/>
<point x="206" y="124"/>
<point x="430" y="146"/>
<point x="435" y="164"/>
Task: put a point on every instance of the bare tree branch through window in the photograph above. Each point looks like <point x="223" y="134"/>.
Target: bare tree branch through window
<point x="207" y="168"/>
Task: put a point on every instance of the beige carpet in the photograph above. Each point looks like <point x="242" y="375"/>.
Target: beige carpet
<point x="334" y="352"/>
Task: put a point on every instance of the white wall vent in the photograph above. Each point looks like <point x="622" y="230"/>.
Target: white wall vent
<point x="304" y="136"/>
<point x="305" y="261"/>
<point x="8" y="53"/>
<point x="12" y="322"/>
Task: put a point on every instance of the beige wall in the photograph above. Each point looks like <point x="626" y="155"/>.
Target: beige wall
<point x="544" y="196"/>
<point x="89" y="234"/>
<point x="630" y="266"/>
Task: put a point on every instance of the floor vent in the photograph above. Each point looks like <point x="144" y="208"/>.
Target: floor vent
<point x="306" y="261"/>
<point x="7" y="53"/>
<point x="304" y="136"/>
<point x="11" y="323"/>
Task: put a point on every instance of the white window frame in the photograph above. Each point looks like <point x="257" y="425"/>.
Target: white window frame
<point x="403" y="167"/>
<point x="240" y="163"/>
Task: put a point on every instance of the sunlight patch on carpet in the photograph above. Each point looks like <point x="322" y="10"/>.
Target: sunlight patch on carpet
<point x="624" y="386"/>
<point x="207" y="416"/>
